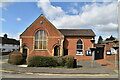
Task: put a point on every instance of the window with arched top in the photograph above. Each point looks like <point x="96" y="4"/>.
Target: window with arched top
<point x="79" y="45"/>
<point x="40" y="40"/>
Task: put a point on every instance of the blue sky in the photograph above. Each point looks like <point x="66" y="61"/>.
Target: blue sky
<point x="99" y="16"/>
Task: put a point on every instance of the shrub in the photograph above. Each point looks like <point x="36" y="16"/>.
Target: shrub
<point x="61" y="61"/>
<point x="69" y="61"/>
<point x="42" y="61"/>
<point x="15" y="58"/>
<point x="53" y="61"/>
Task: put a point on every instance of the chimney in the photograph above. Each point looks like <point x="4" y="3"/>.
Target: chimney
<point x="5" y="35"/>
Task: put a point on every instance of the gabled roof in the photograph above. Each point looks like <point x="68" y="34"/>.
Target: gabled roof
<point x="77" y="32"/>
<point x="29" y="26"/>
<point x="9" y="41"/>
<point x="66" y="32"/>
<point x="47" y="21"/>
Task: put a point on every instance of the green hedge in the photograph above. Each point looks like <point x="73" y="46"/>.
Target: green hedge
<point x="45" y="61"/>
<point x="15" y="58"/>
<point x="61" y="61"/>
<point x="41" y="61"/>
<point x="69" y="61"/>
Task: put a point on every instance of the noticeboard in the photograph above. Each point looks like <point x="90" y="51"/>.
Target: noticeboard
<point x="88" y="53"/>
<point x="113" y="51"/>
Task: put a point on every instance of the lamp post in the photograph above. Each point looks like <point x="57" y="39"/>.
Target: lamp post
<point x="93" y="52"/>
<point x="115" y="47"/>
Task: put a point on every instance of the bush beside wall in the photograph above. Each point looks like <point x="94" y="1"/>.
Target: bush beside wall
<point x="41" y="61"/>
<point x="15" y="58"/>
<point x="61" y="61"/>
<point x="53" y="61"/>
<point x="69" y="61"/>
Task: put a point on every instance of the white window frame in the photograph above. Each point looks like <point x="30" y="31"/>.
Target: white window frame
<point x="79" y="49"/>
<point x="41" y="40"/>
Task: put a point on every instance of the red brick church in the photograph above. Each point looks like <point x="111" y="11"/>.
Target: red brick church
<point x="43" y="38"/>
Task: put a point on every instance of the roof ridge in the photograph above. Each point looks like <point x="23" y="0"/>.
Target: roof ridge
<point x="74" y="29"/>
<point x="77" y="32"/>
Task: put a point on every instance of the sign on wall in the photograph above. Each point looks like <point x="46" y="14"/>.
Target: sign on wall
<point x="113" y="51"/>
<point x="108" y="52"/>
<point x="88" y="53"/>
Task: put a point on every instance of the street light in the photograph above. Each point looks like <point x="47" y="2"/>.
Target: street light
<point x="93" y="51"/>
<point x="115" y="47"/>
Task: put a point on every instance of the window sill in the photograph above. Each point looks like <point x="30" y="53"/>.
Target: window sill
<point x="40" y="49"/>
<point x="79" y="54"/>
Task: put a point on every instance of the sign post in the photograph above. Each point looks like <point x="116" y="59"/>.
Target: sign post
<point x="115" y="47"/>
<point x="93" y="56"/>
<point x="92" y="51"/>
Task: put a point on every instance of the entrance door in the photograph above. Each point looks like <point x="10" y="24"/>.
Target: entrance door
<point x="65" y="52"/>
<point x="56" y="51"/>
<point x="24" y="54"/>
<point x="99" y="53"/>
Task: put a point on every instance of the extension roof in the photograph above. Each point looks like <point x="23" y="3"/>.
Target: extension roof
<point x="77" y="32"/>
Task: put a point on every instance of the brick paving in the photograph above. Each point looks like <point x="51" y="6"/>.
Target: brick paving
<point x="107" y="64"/>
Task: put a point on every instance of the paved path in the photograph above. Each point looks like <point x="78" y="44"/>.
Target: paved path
<point x="28" y="75"/>
<point x="83" y="70"/>
<point x="107" y="64"/>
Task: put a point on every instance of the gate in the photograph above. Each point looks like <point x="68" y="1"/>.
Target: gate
<point x="99" y="53"/>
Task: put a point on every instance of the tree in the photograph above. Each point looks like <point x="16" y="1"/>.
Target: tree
<point x="111" y="38"/>
<point x="100" y="40"/>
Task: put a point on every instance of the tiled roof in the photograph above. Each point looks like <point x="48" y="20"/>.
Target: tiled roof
<point x="77" y="32"/>
<point x="8" y="41"/>
<point x="99" y="45"/>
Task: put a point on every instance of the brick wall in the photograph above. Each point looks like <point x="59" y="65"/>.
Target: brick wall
<point x="52" y="40"/>
<point x="107" y="48"/>
<point x="71" y="46"/>
<point x="52" y="37"/>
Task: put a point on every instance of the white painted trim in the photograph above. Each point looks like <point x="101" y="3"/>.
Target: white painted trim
<point x="79" y="54"/>
<point x="80" y="49"/>
<point x="41" y="40"/>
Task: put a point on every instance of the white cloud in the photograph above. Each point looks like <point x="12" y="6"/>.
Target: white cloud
<point x="13" y="36"/>
<point x="100" y="17"/>
<point x="5" y="3"/>
<point x="73" y="11"/>
<point x="51" y="11"/>
<point x="2" y="20"/>
<point x="111" y="27"/>
<point x="18" y="19"/>
<point x="92" y="15"/>
<point x="2" y="5"/>
<point x="2" y="34"/>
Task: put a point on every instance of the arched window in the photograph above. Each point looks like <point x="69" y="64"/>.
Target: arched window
<point x="41" y="40"/>
<point x="79" y="50"/>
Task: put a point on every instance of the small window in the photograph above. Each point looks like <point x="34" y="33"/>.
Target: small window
<point x="79" y="50"/>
